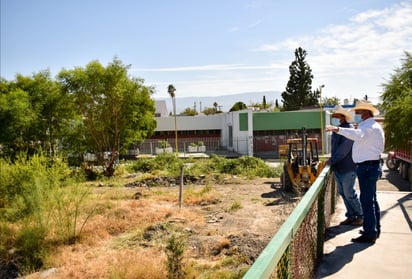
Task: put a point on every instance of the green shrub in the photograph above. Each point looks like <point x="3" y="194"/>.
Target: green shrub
<point x="167" y="162"/>
<point x="174" y="250"/>
<point x="250" y="167"/>
<point x="163" y="143"/>
<point x="30" y="248"/>
<point x="143" y="165"/>
<point x="67" y="206"/>
<point x="37" y="199"/>
<point x="27" y="182"/>
<point x="246" y="166"/>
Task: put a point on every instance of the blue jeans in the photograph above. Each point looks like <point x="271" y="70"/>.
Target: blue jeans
<point x="368" y="175"/>
<point x="347" y="190"/>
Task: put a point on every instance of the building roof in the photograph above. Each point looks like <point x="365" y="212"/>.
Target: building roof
<point x="161" y="109"/>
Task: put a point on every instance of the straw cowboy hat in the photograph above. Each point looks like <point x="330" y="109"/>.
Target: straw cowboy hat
<point x="339" y="110"/>
<point x="366" y="105"/>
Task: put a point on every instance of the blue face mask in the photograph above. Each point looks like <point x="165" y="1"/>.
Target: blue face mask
<point x="335" y="121"/>
<point x="358" y="118"/>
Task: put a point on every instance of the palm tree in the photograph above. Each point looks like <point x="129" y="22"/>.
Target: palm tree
<point x="215" y="105"/>
<point x="171" y="89"/>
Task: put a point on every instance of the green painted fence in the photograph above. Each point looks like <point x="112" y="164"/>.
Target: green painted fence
<point x="295" y="250"/>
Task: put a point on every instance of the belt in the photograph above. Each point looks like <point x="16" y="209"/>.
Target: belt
<point x="370" y="162"/>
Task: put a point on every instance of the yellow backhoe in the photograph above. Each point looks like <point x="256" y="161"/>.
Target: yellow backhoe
<point x="303" y="165"/>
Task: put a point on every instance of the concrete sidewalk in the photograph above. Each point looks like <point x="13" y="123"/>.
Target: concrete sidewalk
<point x="389" y="257"/>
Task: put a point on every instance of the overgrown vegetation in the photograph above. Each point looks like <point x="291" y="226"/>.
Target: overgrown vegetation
<point x="98" y="109"/>
<point x="40" y="204"/>
<point x="248" y="167"/>
<point x="397" y="103"/>
<point x="45" y="205"/>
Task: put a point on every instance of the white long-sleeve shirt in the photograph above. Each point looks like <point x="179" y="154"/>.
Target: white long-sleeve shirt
<point x="368" y="140"/>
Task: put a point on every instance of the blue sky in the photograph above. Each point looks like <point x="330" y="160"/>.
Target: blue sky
<point x="214" y="47"/>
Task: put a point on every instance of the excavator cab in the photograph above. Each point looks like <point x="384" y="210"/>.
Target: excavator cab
<point x="303" y="165"/>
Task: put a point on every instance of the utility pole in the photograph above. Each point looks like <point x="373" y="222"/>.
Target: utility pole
<point x="321" y="118"/>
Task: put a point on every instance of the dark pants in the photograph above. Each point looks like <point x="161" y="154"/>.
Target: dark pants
<point x="368" y="174"/>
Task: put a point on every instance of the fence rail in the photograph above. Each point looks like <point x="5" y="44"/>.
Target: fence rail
<point x="265" y="147"/>
<point x="297" y="247"/>
<point x="211" y="144"/>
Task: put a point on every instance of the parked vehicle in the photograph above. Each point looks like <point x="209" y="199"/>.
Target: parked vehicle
<point x="400" y="160"/>
<point x="303" y="165"/>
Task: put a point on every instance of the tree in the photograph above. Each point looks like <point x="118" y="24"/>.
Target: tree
<point x="264" y="102"/>
<point x="216" y="106"/>
<point x="397" y="104"/>
<point x="117" y="110"/>
<point x="209" y="111"/>
<point x="298" y="92"/>
<point x="238" y="106"/>
<point x="331" y="101"/>
<point x="55" y="109"/>
<point x="171" y="90"/>
<point x="37" y="113"/>
<point x="189" y="112"/>
<point x="16" y="118"/>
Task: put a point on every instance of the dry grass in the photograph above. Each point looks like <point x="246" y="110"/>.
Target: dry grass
<point x="223" y="243"/>
<point x="127" y="234"/>
<point x="100" y="262"/>
<point x="110" y="245"/>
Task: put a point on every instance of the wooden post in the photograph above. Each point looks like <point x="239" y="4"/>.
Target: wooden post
<point x="181" y="186"/>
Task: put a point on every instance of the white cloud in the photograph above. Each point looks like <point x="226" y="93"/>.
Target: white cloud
<point x="368" y="47"/>
<point x="254" y="24"/>
<point x="208" y="87"/>
<point x="213" y="67"/>
<point x="349" y="59"/>
<point x="234" y="29"/>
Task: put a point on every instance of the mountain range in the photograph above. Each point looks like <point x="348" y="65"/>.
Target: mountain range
<point x="224" y="102"/>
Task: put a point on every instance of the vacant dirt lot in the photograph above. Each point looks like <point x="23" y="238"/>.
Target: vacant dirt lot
<point x="225" y="228"/>
<point x="247" y="214"/>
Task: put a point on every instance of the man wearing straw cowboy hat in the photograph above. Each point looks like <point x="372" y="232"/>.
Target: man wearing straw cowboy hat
<point x="344" y="168"/>
<point x="369" y="141"/>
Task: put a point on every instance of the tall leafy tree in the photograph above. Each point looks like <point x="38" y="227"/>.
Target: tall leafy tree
<point x="16" y="118"/>
<point x="36" y="113"/>
<point x="298" y="93"/>
<point x="53" y="107"/>
<point x="397" y="104"/>
<point x="117" y="110"/>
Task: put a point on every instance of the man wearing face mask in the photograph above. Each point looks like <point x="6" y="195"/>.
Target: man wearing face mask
<point x="344" y="168"/>
<point x="369" y="141"/>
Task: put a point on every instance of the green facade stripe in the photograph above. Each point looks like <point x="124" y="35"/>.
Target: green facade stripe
<point x="287" y="120"/>
<point x="243" y="122"/>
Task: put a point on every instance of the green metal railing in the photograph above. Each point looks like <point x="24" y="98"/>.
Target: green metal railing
<point x="297" y="247"/>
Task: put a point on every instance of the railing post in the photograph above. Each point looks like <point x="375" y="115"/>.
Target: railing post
<point x="321" y="222"/>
